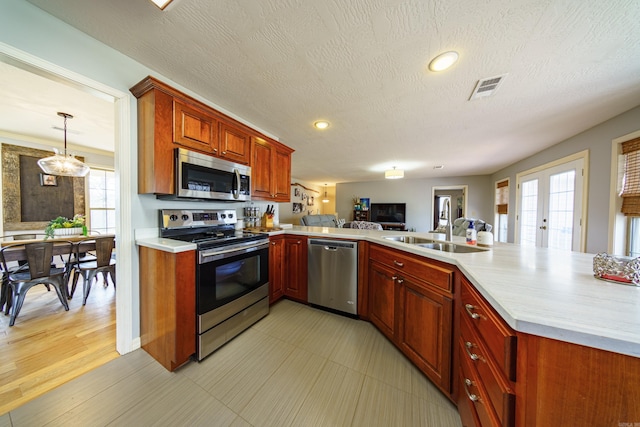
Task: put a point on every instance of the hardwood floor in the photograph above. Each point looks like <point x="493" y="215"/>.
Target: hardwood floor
<point x="296" y="367"/>
<point x="48" y="346"/>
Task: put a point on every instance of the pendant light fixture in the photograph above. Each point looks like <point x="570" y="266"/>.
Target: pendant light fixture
<point x="326" y="198"/>
<point x="394" y="173"/>
<point x="63" y="164"/>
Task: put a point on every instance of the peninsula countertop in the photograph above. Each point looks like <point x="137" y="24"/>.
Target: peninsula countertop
<point x="537" y="291"/>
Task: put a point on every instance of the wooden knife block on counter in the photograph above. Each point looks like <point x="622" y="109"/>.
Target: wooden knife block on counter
<point x="267" y="221"/>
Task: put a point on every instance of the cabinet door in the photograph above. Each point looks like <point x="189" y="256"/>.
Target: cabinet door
<point x="281" y="169"/>
<point x="276" y="268"/>
<point x="261" y="182"/>
<point x="382" y="297"/>
<point x="426" y="330"/>
<point x="235" y="145"/>
<point x="295" y="254"/>
<point x="195" y="129"/>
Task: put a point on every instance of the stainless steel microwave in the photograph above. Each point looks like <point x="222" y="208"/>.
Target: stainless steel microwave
<point x="199" y="176"/>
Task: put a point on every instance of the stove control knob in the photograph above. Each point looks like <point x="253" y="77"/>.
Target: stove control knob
<point x="230" y="215"/>
<point x="185" y="217"/>
<point x="223" y="216"/>
<point x="173" y="217"/>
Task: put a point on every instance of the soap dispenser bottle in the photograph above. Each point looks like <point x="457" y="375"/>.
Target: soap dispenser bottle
<point x="471" y="234"/>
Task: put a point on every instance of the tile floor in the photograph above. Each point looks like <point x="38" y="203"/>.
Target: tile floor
<point x="298" y="366"/>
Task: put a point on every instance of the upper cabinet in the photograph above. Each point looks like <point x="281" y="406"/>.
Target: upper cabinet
<point x="235" y="145"/>
<point x="168" y="119"/>
<point x="271" y="171"/>
<point x="194" y="128"/>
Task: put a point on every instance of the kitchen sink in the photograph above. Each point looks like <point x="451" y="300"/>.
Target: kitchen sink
<point x="451" y="247"/>
<point x="410" y="239"/>
<point x="436" y="245"/>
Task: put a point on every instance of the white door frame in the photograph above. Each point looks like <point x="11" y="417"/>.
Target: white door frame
<point x="582" y="155"/>
<point x="124" y="235"/>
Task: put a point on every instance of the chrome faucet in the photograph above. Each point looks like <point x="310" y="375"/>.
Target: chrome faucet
<point x="449" y="229"/>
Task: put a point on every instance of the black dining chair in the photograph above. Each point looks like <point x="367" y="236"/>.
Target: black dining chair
<point x="39" y="257"/>
<point x="88" y="267"/>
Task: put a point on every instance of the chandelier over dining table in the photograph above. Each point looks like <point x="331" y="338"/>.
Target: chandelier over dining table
<point x="63" y="164"/>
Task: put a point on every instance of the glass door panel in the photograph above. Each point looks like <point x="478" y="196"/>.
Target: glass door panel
<point x="529" y="213"/>
<point x="550" y="207"/>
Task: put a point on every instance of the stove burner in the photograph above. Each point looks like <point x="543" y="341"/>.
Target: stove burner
<point x="188" y="226"/>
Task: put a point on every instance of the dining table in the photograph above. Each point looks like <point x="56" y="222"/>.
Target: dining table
<point x="18" y="252"/>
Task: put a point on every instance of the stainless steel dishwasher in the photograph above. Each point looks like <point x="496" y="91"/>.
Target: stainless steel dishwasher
<point x="333" y="274"/>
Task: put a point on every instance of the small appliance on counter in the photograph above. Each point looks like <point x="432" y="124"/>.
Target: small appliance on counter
<point x="485" y="238"/>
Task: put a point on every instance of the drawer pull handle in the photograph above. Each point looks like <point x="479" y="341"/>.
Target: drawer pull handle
<point x="472" y="397"/>
<point x="473" y="315"/>
<point x="398" y="263"/>
<point x="472" y="356"/>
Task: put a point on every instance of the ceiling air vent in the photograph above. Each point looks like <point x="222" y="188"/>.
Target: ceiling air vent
<point x="486" y="87"/>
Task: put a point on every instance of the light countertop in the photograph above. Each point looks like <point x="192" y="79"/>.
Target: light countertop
<point x="537" y="291"/>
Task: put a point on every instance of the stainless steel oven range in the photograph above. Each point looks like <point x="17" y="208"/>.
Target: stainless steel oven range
<point x="232" y="273"/>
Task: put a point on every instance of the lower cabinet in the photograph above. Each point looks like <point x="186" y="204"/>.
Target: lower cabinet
<point x="382" y="298"/>
<point x="487" y="354"/>
<point x="411" y="303"/>
<point x="295" y="267"/>
<point x="168" y="305"/>
<point x="276" y="268"/>
<point x="425" y="330"/>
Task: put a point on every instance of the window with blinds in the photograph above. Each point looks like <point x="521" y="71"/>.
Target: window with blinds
<point x="631" y="180"/>
<point x="502" y="197"/>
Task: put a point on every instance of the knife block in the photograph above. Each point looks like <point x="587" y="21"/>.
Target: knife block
<point x="267" y="221"/>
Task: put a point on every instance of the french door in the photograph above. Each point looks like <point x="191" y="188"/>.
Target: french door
<point x="550" y="207"/>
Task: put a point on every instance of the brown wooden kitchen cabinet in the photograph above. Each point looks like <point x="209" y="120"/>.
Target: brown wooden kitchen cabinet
<point x="295" y="263"/>
<point x="168" y="118"/>
<point x="271" y="171"/>
<point x="235" y="145"/>
<point x="382" y="298"/>
<point x="411" y="302"/>
<point x="276" y="268"/>
<point x="425" y="329"/>
<point x="168" y="306"/>
<point x="194" y="128"/>
<point x="487" y="353"/>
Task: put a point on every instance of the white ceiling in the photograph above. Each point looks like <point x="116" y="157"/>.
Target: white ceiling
<point x="362" y="65"/>
<point x="29" y="106"/>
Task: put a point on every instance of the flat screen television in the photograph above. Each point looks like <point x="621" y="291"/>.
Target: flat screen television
<point x="388" y="212"/>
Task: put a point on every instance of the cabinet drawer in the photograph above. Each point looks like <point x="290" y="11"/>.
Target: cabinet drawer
<point x="499" y="391"/>
<point x="473" y="392"/>
<point x="500" y="340"/>
<point x="417" y="267"/>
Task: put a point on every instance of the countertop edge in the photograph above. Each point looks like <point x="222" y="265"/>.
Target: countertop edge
<point x="543" y="327"/>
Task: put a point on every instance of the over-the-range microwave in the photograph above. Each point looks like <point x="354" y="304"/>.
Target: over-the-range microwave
<point x="199" y="176"/>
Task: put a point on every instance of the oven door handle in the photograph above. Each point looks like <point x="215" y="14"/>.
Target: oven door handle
<point x="237" y="250"/>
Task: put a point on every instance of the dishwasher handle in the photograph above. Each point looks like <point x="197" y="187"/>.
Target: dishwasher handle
<point x="333" y="245"/>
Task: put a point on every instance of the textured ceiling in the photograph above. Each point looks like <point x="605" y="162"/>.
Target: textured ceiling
<point x="362" y="65"/>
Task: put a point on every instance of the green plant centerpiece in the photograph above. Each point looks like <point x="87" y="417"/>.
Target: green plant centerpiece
<point x="77" y="222"/>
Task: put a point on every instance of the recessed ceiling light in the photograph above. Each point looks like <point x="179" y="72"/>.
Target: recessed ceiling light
<point x="321" y="124"/>
<point x="443" y="61"/>
<point x="161" y="3"/>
